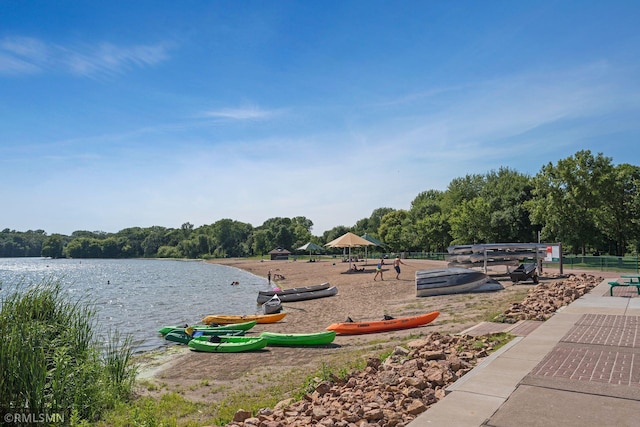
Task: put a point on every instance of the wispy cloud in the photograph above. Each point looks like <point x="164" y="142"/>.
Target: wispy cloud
<point x="29" y="55"/>
<point x="243" y="113"/>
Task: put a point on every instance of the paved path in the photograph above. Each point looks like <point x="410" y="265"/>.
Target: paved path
<point x="579" y="368"/>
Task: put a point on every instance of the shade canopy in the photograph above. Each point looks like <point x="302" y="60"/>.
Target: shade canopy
<point x="310" y="247"/>
<point x="348" y="240"/>
<point x="372" y="240"/>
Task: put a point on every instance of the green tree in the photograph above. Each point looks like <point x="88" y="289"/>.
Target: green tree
<point x="155" y="237"/>
<point x="506" y="193"/>
<point x="261" y="242"/>
<point x="568" y="197"/>
<point x="52" y="246"/>
<point x="460" y="190"/>
<point x="84" y="247"/>
<point x="281" y="232"/>
<point x="431" y="226"/>
<point x="169" y="252"/>
<point x="619" y="213"/>
<point x="20" y="244"/>
<point x="228" y="237"/>
<point x="110" y="248"/>
<point x="470" y="222"/>
<point x="134" y="236"/>
<point x="188" y="247"/>
<point x="373" y="226"/>
<point x="397" y="230"/>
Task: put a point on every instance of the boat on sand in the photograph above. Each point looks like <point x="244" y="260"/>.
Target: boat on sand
<point x="225" y="319"/>
<point x="299" y="294"/>
<point x="304" y="296"/>
<point x="273" y="305"/>
<point x="227" y="344"/>
<point x="388" y="324"/>
<point x="245" y="326"/>
<point x="184" y="337"/>
<point x="456" y="280"/>
<point x="293" y="340"/>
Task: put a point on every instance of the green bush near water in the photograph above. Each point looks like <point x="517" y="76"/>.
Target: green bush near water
<point x="51" y="360"/>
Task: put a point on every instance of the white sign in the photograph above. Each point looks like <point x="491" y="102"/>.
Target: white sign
<point x="553" y="253"/>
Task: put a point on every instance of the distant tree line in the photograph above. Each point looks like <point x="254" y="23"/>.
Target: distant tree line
<point x="583" y="201"/>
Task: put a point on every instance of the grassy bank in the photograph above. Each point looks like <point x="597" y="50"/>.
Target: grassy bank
<point x="173" y="409"/>
<point x="53" y="362"/>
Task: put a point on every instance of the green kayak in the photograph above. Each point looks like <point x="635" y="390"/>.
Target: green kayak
<point x="183" y="337"/>
<point x="318" y="338"/>
<point x="227" y="344"/>
<point x="242" y="326"/>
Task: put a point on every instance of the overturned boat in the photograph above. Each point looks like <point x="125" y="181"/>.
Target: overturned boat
<point x="299" y="294"/>
<point x="455" y="280"/>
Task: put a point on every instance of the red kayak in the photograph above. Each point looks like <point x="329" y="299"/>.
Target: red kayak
<point x="353" y="328"/>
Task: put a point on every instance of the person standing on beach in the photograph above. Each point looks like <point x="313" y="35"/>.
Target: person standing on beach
<point x="269" y="276"/>
<point x="379" y="269"/>
<point x="396" y="266"/>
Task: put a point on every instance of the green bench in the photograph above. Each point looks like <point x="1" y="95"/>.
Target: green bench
<point x="614" y="284"/>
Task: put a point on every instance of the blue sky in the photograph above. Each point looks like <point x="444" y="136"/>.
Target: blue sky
<point x="120" y="114"/>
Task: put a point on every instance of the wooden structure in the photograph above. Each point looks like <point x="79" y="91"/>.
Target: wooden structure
<point x="279" y="253"/>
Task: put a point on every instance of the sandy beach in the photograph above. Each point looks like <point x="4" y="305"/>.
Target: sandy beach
<point x="206" y="377"/>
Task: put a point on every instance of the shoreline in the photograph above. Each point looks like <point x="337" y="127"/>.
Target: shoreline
<point x="207" y="377"/>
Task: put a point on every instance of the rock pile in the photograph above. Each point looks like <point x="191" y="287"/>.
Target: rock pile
<point x="394" y="392"/>
<point x="385" y="394"/>
<point x="544" y="299"/>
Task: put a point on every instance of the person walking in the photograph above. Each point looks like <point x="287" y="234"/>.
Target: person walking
<point x="396" y="266"/>
<point x="379" y="269"/>
<point x="269" y="276"/>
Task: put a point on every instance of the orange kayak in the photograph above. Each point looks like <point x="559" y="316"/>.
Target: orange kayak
<point x="224" y="319"/>
<point x="352" y="328"/>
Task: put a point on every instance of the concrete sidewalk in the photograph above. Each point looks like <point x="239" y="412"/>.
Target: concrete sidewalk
<point x="579" y="368"/>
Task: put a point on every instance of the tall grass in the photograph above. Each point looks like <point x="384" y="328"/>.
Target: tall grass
<point x="51" y="359"/>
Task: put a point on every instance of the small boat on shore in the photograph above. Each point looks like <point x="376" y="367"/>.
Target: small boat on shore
<point x="456" y="280"/>
<point x="390" y="324"/>
<point x="273" y="305"/>
<point x="183" y="337"/>
<point x="245" y="326"/>
<point x="227" y="344"/>
<point x="304" y="296"/>
<point x="264" y="296"/>
<point x="293" y="340"/>
<point x="226" y="319"/>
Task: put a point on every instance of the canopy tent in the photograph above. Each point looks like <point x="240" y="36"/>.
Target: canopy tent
<point x="373" y="240"/>
<point x="348" y="240"/>
<point x="311" y="247"/>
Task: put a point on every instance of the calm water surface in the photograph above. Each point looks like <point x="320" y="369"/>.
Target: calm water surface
<point x="140" y="296"/>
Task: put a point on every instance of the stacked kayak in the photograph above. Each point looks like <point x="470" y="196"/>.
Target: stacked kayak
<point x="227" y="344"/>
<point x="184" y="336"/>
<point x="317" y="338"/>
<point x="245" y="326"/>
<point x="391" y="324"/>
<point x="225" y="319"/>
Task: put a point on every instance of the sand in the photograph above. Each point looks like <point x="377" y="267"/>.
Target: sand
<point x="207" y="377"/>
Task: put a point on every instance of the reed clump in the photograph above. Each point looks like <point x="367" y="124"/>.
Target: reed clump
<point x="51" y="359"/>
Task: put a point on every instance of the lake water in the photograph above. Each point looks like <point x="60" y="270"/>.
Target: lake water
<point x="140" y="296"/>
